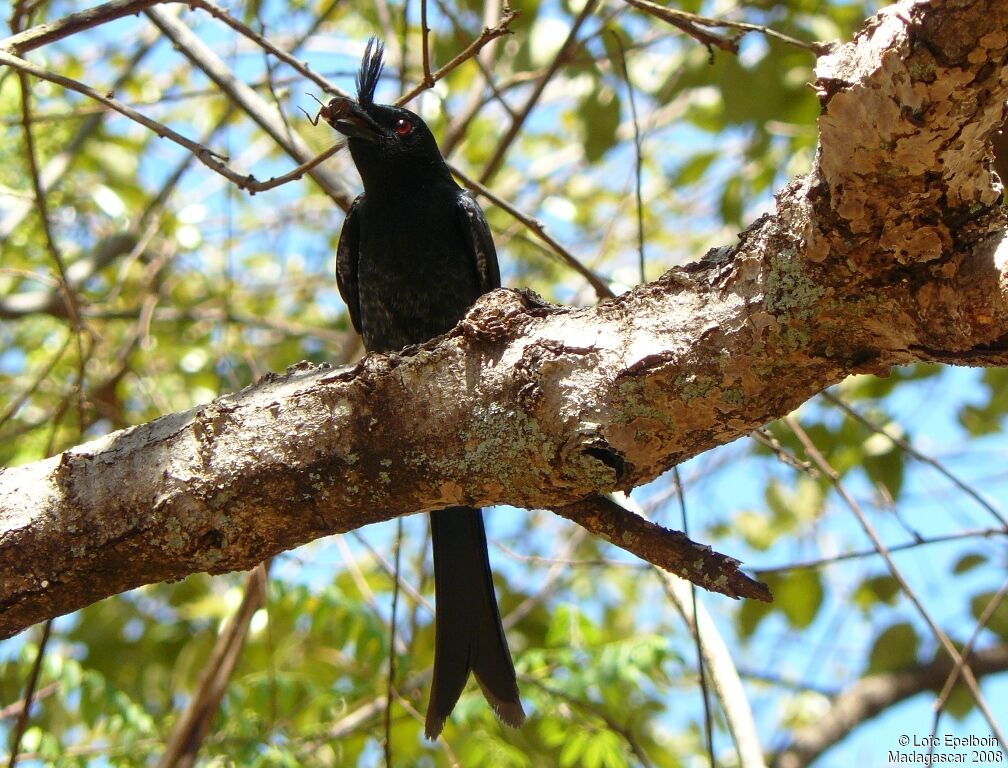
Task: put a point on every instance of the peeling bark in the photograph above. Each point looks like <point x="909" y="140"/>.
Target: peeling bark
<point x="886" y="253"/>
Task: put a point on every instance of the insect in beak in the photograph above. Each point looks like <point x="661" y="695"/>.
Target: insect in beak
<point x="336" y="108"/>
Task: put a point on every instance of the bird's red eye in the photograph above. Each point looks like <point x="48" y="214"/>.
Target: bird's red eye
<point x="403" y="127"/>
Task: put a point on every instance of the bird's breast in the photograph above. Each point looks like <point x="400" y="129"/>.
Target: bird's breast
<point x="415" y="275"/>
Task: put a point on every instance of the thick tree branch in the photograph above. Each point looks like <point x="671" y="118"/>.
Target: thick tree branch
<point x="886" y="253"/>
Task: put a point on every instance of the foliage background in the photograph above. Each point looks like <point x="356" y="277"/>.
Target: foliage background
<point x="215" y="287"/>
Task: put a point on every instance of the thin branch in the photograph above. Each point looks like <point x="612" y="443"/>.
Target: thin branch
<point x="69" y="296"/>
<point x="203" y="154"/>
<point x="51" y="31"/>
<point x="857" y="554"/>
<point x="691" y="608"/>
<point x="765" y="437"/>
<point x="869" y="529"/>
<point x="22" y="721"/>
<point x="42" y="375"/>
<point x="669" y="550"/>
<point x="558" y="567"/>
<point x="516" y="125"/>
<point x="428" y="79"/>
<point x="194" y="723"/>
<point x="250" y="102"/>
<point x="457" y="126"/>
<point x="390" y="687"/>
<point x="905" y="446"/>
<point x="953" y="677"/>
<point x="57" y="165"/>
<point x="869" y="696"/>
<point x="66" y="290"/>
<point x="638" y="156"/>
<point x="254" y="106"/>
<point x="602" y="289"/>
<point x="414" y="593"/>
<point x="287" y="58"/>
<point x="723" y="674"/>
<point x="488" y="34"/>
<point x="692" y="24"/>
<point x="14" y="710"/>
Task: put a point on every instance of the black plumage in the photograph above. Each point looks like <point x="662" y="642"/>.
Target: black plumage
<point x="414" y="254"/>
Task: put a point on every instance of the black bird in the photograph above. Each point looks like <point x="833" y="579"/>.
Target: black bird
<point x="414" y="254"/>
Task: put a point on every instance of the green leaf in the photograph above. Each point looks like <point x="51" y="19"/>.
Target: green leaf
<point x="895" y="649"/>
<point x="797" y="594"/>
<point x="997" y="622"/>
<point x="886" y="469"/>
<point x="988" y="417"/>
<point x="731" y="201"/>
<point x="600" y="117"/>
<point x="604" y="750"/>
<point x="876" y="590"/>
<point x="574" y="748"/>
<point x="693" y="169"/>
<point x="755" y="528"/>
<point x="968" y="562"/>
<point x="960" y="702"/>
<point x="800" y="596"/>
<point x="752" y="612"/>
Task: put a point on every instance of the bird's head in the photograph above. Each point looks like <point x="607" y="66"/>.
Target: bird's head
<point x="386" y="142"/>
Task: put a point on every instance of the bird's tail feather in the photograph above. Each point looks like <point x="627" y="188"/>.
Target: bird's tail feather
<point x="468" y="633"/>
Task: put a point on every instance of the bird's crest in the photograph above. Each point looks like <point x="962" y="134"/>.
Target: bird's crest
<point x="370" y="71"/>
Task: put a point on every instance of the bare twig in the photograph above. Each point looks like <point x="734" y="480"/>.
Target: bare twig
<point x="69" y="296"/>
<point x="247" y="98"/>
<point x="428" y="79"/>
<point x="193" y="724"/>
<point x="51" y="31"/>
<point x="558" y="567"/>
<point x="243" y="29"/>
<point x="516" y="125"/>
<point x="905" y="446"/>
<point x="638" y="157"/>
<point x="692" y="606"/>
<point x="203" y="154"/>
<point x="692" y="24"/>
<point x="946" y="691"/>
<point x="390" y="687"/>
<point x="22" y="721"/>
<point x="415" y="595"/>
<point x="488" y="34"/>
<point x="14" y="710"/>
<point x="920" y="542"/>
<point x="66" y="290"/>
<point x="764" y="437"/>
<point x="669" y="550"/>
<point x="602" y="289"/>
<point x="724" y="676"/>
<point x="43" y="374"/>
<point x="712" y="652"/>
<point x="869" y="529"/>
<point x="870" y="695"/>
<point x="59" y="163"/>
<point x="250" y="102"/>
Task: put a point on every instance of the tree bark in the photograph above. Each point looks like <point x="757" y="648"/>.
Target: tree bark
<point x="886" y="253"/>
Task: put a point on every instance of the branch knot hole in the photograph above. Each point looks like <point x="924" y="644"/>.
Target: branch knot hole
<point x="593" y="460"/>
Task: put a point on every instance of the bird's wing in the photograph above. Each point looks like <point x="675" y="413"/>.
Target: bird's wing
<point x="479" y="242"/>
<point x="347" y="253"/>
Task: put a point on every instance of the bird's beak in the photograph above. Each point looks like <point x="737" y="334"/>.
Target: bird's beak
<point x="349" y="118"/>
